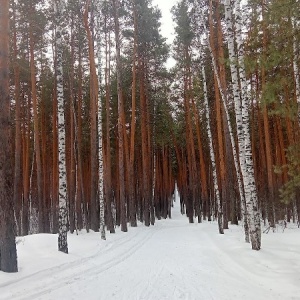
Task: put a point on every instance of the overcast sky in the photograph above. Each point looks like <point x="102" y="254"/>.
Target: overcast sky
<point x="167" y="24"/>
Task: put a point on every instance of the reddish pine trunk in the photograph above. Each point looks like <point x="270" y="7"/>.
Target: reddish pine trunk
<point x="8" y="252"/>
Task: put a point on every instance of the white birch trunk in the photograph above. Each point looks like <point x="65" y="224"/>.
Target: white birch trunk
<point x="248" y="171"/>
<point x="234" y="150"/>
<point x="212" y="155"/>
<point x="100" y="133"/>
<point x="295" y="66"/>
<point x="33" y="214"/>
<point x="59" y="9"/>
<point x="238" y="112"/>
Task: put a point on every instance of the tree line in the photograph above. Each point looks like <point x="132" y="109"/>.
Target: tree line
<point x="96" y="131"/>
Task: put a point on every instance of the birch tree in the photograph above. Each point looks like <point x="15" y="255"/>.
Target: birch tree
<point x="238" y="108"/>
<point x="212" y="154"/>
<point x="248" y="169"/>
<point x="295" y="65"/>
<point x="100" y="134"/>
<point x="224" y="98"/>
<point x="59" y="10"/>
<point x="243" y="127"/>
<point x="244" y="142"/>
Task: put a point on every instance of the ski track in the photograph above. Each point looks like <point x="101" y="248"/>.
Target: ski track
<point x="83" y="267"/>
<point x="66" y="266"/>
<point x="172" y="260"/>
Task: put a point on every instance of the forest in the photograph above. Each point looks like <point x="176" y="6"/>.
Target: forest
<point x="98" y="132"/>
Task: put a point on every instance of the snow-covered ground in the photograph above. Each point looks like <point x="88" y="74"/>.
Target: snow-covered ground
<point x="171" y="260"/>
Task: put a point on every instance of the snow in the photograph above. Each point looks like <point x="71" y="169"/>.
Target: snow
<point x="171" y="260"/>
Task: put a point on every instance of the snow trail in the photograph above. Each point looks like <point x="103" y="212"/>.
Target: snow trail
<point x="171" y="260"/>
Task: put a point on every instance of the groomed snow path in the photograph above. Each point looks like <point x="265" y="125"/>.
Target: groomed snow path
<point x="171" y="260"/>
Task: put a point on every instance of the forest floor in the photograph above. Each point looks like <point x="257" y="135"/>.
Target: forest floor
<point x="171" y="260"/>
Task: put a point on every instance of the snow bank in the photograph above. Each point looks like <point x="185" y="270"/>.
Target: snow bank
<point x="171" y="260"/>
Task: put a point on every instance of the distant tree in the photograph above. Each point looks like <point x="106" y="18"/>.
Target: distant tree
<point x="183" y="47"/>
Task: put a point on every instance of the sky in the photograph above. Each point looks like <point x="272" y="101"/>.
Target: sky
<point x="167" y="24"/>
<point x="167" y="29"/>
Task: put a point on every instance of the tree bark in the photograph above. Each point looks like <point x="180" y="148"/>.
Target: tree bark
<point x="8" y="252"/>
<point x="100" y="131"/>
<point x="120" y="119"/>
<point x="37" y="147"/>
<point x="248" y="170"/>
<point x="212" y="155"/>
<point x="93" y="119"/>
<point x="18" y="136"/>
<point x="108" y="177"/>
<point x="59" y="9"/>
<point x="238" y="110"/>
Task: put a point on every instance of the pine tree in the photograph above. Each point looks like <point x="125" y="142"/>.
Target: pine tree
<point x="108" y="157"/>
<point x="36" y="130"/>
<point x="18" y="137"/>
<point x="121" y="121"/>
<point x="185" y="36"/>
<point x="8" y="252"/>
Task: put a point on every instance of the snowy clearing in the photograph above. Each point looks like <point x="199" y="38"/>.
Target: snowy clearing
<point x="172" y="260"/>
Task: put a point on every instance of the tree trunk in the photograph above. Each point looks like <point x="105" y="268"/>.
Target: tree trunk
<point x="132" y="205"/>
<point x="59" y="9"/>
<point x="238" y="111"/>
<point x="212" y="155"/>
<point x="37" y="147"/>
<point x="120" y="119"/>
<point x="26" y="168"/>
<point x="80" y="196"/>
<point x="248" y="171"/>
<point x="144" y="136"/>
<point x="93" y="119"/>
<point x="8" y="252"/>
<point x="72" y="167"/>
<point x="100" y="131"/>
<point x="108" y="178"/>
<point x="55" y="172"/>
<point x="18" y="136"/>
